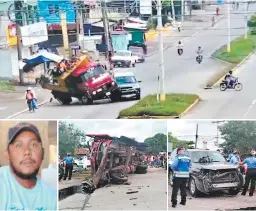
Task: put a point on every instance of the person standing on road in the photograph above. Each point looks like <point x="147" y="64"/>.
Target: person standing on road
<point x="251" y="173"/>
<point x="180" y="168"/>
<point x="69" y="166"/>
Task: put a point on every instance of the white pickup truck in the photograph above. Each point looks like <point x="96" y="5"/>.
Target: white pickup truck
<point x="124" y="59"/>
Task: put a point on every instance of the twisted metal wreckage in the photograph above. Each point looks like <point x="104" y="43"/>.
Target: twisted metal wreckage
<point x="112" y="159"/>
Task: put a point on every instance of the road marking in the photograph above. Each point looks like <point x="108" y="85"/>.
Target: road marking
<point x="2" y="108"/>
<point x="249" y="109"/>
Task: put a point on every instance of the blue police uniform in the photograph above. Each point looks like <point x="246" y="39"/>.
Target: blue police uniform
<point x="234" y="160"/>
<point x="69" y="167"/>
<point x="180" y="167"/>
<point x="250" y="175"/>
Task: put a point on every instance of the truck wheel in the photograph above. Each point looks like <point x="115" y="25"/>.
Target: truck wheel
<point x="86" y="101"/>
<point x="64" y="101"/>
<point x="115" y="96"/>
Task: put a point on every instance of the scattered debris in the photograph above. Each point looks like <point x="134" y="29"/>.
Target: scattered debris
<point x="133" y="198"/>
<point x="134" y="204"/>
<point x="131" y="192"/>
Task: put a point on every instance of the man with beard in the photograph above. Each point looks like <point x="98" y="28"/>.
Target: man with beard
<point x="21" y="189"/>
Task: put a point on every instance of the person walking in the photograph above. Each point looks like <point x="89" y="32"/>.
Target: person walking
<point x="250" y="174"/>
<point x="180" y="168"/>
<point x="69" y="166"/>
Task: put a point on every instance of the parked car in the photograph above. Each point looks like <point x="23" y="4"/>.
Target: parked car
<point x="128" y="85"/>
<point x="211" y="172"/>
<point x="124" y="59"/>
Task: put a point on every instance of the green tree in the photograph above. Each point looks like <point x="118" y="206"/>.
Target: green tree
<point x="240" y="135"/>
<point x="180" y="143"/>
<point x="157" y="143"/>
<point x="70" y="138"/>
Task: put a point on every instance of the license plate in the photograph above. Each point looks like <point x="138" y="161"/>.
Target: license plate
<point x="108" y="93"/>
<point x="225" y="185"/>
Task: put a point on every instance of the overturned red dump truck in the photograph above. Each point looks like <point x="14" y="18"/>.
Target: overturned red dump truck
<point x="112" y="159"/>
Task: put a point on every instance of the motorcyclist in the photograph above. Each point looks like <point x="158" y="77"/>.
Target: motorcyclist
<point x="229" y="78"/>
<point x="179" y="47"/>
<point x="199" y="51"/>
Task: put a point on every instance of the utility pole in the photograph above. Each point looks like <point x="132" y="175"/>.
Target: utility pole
<point x="245" y="20"/>
<point x="106" y="28"/>
<point x="161" y="48"/>
<point x="173" y="14"/>
<point x="218" y="124"/>
<point x="18" y="7"/>
<point x="196" y="136"/>
<point x="229" y="38"/>
<point x="77" y="24"/>
<point x="65" y="34"/>
<point x="182" y="10"/>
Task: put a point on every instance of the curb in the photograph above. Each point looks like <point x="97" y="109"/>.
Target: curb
<point x="148" y="117"/>
<point x="189" y="108"/>
<point x="236" y="67"/>
<point x="21" y="112"/>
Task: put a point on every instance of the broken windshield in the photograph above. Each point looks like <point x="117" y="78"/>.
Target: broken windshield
<point x="206" y="156"/>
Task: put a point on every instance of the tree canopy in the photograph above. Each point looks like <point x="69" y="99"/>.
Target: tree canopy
<point x="240" y="135"/>
<point x="180" y="143"/>
<point x="70" y="138"/>
<point x="157" y="143"/>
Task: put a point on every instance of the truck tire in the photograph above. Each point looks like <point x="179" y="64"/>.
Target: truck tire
<point x="115" y="96"/>
<point x="62" y="97"/>
<point x="192" y="187"/>
<point x="86" y="101"/>
<point x="141" y="169"/>
<point x="233" y="192"/>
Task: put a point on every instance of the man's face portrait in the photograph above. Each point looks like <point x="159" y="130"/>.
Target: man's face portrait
<point x="25" y="154"/>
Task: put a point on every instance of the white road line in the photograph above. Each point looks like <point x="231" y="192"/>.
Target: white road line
<point x="249" y="109"/>
<point x="2" y="108"/>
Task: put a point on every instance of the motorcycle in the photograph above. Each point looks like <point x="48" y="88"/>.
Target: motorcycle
<point x="199" y="58"/>
<point x="180" y="51"/>
<point x="234" y="85"/>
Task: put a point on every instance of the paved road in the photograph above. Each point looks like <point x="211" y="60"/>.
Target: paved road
<point x="230" y="104"/>
<point x="151" y="194"/>
<point x="217" y="201"/>
<point x="182" y="74"/>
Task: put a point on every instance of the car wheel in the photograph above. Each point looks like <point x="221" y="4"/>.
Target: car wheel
<point x="138" y="97"/>
<point x="134" y="64"/>
<point x="192" y="187"/>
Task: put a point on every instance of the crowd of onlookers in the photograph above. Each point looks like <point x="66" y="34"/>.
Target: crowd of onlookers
<point x="157" y="160"/>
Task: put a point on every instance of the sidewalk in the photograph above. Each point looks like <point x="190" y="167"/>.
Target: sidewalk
<point x="13" y="102"/>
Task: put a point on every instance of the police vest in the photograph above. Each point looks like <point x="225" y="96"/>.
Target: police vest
<point x="182" y="169"/>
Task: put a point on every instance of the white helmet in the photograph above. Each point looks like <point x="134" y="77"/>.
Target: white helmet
<point x="29" y="89"/>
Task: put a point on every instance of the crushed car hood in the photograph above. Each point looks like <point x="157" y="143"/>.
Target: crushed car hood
<point x="218" y="166"/>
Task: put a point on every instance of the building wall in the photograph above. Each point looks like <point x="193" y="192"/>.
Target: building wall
<point x="48" y="132"/>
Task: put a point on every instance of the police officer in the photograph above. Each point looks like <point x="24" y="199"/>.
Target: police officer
<point x="69" y="166"/>
<point x="235" y="158"/>
<point x="180" y="168"/>
<point x="251" y="173"/>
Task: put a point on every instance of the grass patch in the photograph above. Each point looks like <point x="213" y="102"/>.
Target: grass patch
<point x="173" y="106"/>
<point x="240" y="48"/>
<point x="6" y="86"/>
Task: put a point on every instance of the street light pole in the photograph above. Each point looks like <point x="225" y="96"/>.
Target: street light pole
<point x="229" y="39"/>
<point x="161" y="48"/>
<point x="173" y="13"/>
<point x="245" y="20"/>
<point x="182" y="10"/>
